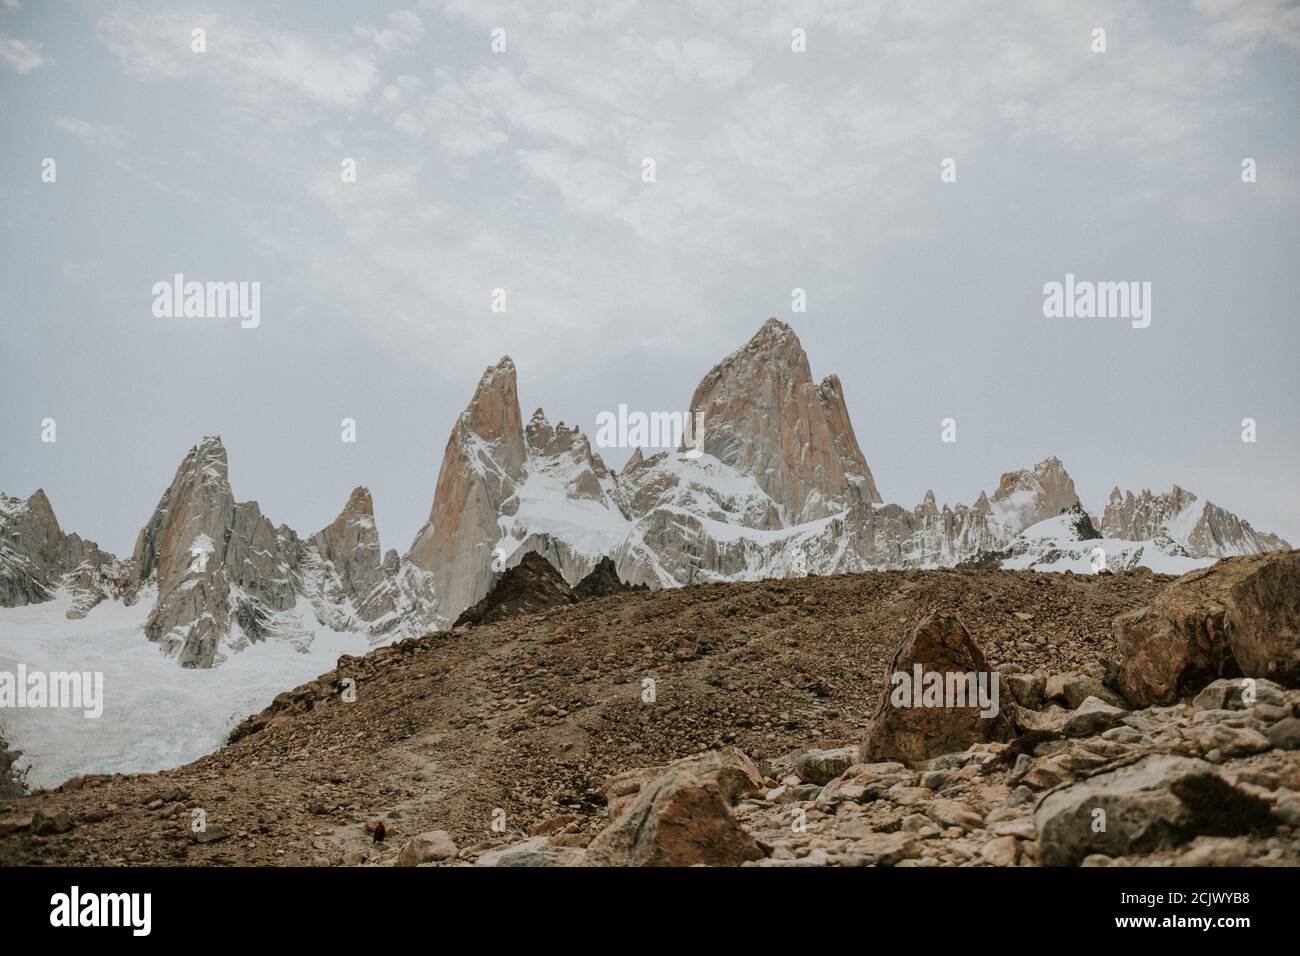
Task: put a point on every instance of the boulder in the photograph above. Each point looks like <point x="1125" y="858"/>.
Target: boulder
<point x="428" y="848"/>
<point x="1092" y="717"/>
<point x="683" y="817"/>
<point x="538" y="851"/>
<point x="1240" y="616"/>
<point x="1285" y="734"/>
<point x="911" y="734"/>
<point x="58" y="821"/>
<point x="1026" y="689"/>
<point x="1237" y="693"/>
<point x="1073" y="689"/>
<point x="1157" y="802"/>
<point x="823" y="766"/>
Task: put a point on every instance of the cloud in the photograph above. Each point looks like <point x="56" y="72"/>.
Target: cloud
<point x="112" y="137"/>
<point x="405" y="27"/>
<point x="522" y="169"/>
<point x="271" y="71"/>
<point x="21" y="56"/>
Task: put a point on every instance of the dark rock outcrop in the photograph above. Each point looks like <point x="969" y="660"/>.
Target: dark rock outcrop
<point x="530" y="586"/>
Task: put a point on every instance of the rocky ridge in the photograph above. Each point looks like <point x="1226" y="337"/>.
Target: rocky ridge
<point x="536" y="740"/>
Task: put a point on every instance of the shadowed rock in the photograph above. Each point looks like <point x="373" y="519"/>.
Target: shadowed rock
<point x="530" y="586"/>
<point x="1157" y="802"/>
<point x="604" y="581"/>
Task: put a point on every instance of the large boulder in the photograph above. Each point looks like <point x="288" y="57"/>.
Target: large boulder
<point x="427" y="848"/>
<point x="913" y="734"/>
<point x="1157" y="802"/>
<point x="535" y="852"/>
<point x="1238" y="617"/>
<point x="683" y="817"/>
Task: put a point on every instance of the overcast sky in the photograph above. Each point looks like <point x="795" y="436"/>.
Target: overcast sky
<point x="522" y="170"/>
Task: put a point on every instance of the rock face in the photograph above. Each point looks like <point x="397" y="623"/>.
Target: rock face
<point x="530" y="586"/>
<point x="1157" y="802"/>
<point x="1182" y="522"/>
<point x="353" y="585"/>
<point x="223" y="577"/>
<point x="211" y="560"/>
<point x="683" y="817"/>
<point x="481" y="469"/>
<point x="911" y="727"/>
<point x="37" y="558"/>
<point x="1239" y="617"/>
<point x="765" y="418"/>
<point x="602" y="582"/>
<point x="775" y="486"/>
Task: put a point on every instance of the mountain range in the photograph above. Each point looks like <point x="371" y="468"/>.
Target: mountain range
<point x="775" y="485"/>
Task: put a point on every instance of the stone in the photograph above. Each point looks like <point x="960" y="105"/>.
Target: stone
<point x="15" y="823"/>
<point x="427" y="848"/>
<point x="537" y="851"/>
<point x="880" y="849"/>
<point x="1092" y="717"/>
<point x="1285" y="734"/>
<point x="1157" y="802"/>
<point x="532" y="585"/>
<point x="1073" y="689"/>
<point x="1001" y="851"/>
<point x="912" y="735"/>
<point x="1216" y="851"/>
<point x="1232" y="693"/>
<point x="953" y="813"/>
<point x="1239" y="617"/>
<point x="823" y="766"/>
<point x="212" y="833"/>
<point x="1286" y="808"/>
<point x="1229" y="741"/>
<point x="1026" y="689"/>
<point x="683" y="817"/>
<point x="58" y="821"/>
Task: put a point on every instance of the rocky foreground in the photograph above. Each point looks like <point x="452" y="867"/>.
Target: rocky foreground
<point x="752" y="724"/>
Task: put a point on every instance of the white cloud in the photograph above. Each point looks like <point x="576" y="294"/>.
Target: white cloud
<point x="405" y="27"/>
<point x="112" y="137"/>
<point x="271" y="71"/>
<point x="21" y="56"/>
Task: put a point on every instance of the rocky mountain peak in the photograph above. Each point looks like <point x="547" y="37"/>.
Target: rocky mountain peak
<point x="764" y="416"/>
<point x="493" y="412"/>
<point x="1028" y="496"/>
<point x="482" y="466"/>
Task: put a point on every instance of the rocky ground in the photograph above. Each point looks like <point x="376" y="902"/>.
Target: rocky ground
<point x="567" y="735"/>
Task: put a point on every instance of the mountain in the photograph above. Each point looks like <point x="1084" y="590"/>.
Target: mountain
<point x="37" y="558"/>
<point x="769" y="481"/>
<point x="774" y="485"/>
<point x="1183" y="523"/>
<point x="219" y="575"/>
